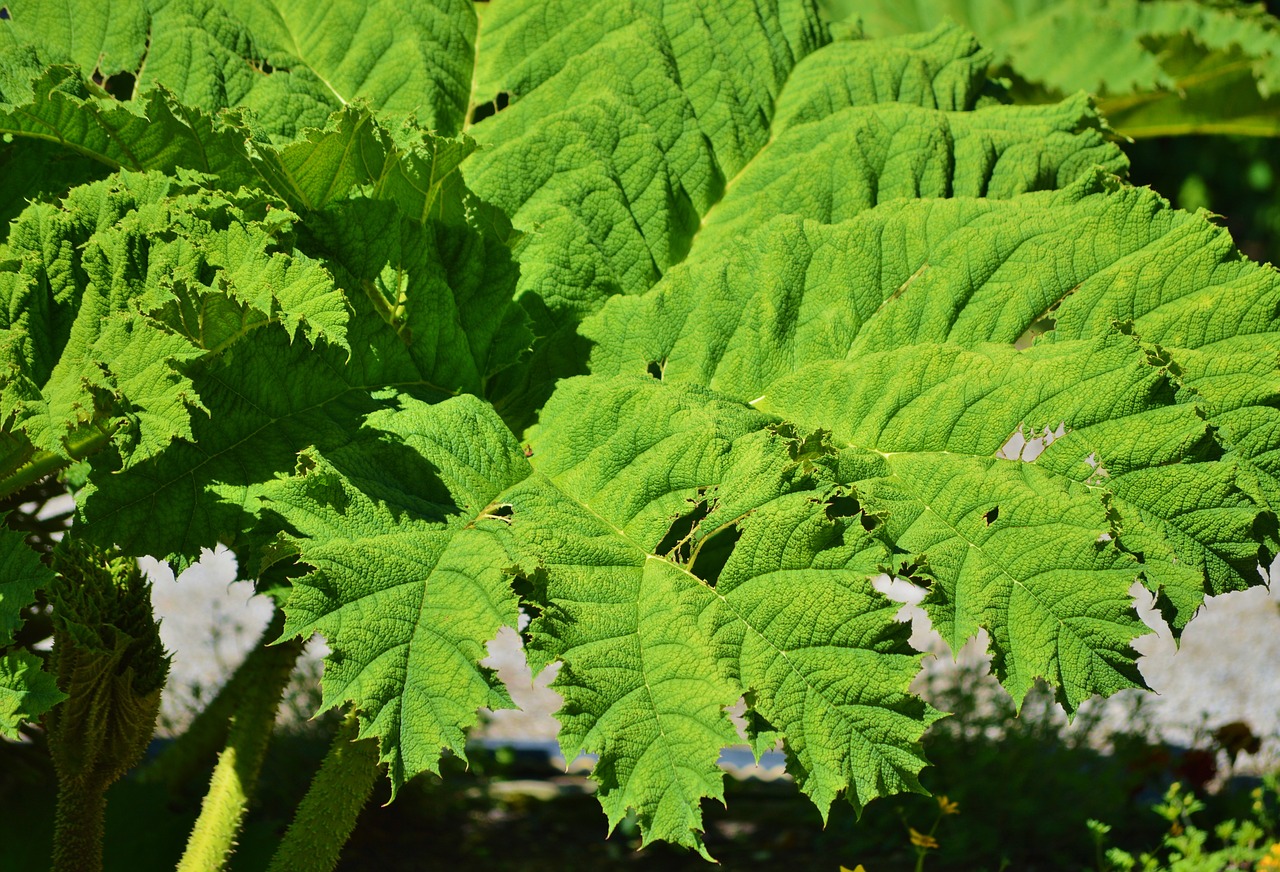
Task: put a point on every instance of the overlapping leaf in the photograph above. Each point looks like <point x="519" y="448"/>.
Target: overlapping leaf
<point x="114" y="294"/>
<point x="431" y="315"/>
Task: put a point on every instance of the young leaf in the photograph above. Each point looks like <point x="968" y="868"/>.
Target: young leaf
<point x="21" y="575"/>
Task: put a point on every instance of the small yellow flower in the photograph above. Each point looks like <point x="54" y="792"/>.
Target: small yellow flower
<point x="948" y="806"/>
<point x="921" y="840"/>
<point x="1271" y="861"/>
<point x="857" y="868"/>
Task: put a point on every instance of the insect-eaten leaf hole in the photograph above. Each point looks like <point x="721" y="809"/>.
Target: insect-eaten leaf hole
<point x="119" y="85"/>
<point x="656" y="368"/>
<point x="677" y="544"/>
<point x="847" y="506"/>
<point x="531" y="588"/>
<point x="498" y="512"/>
<point x="1046" y="321"/>
<point x="4" y="13"/>
<point x="265" y="67"/>
<point x="713" y="553"/>
<point x="991" y="515"/>
<point x="493" y="107"/>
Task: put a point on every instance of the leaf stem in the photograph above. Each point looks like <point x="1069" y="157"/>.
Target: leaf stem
<point x="327" y="814"/>
<point x="199" y="743"/>
<point x="78" y="827"/>
<point x="222" y="813"/>
<point x="43" y="463"/>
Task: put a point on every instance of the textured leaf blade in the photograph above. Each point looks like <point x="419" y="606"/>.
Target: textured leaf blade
<point x="616" y="154"/>
<point x="1033" y="562"/>
<point x="620" y="461"/>
<point x="409" y="578"/>
<point x="825" y="664"/>
<point x="159" y="133"/>
<point x="128" y="283"/>
<point x="289" y="63"/>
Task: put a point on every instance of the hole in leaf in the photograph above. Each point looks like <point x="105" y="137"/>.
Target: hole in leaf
<point x="842" y="506"/>
<point x="1043" y="324"/>
<point x="265" y="67"/>
<point x="990" y="517"/>
<point x="532" y="591"/>
<point x="714" y="552"/>
<point x="677" y="544"/>
<point x="4" y="13"/>
<point x="655" y="368"/>
<point x="811" y="446"/>
<point x="120" y="85"/>
<point x="846" y="506"/>
<point x="1019" y="447"/>
<point x="503" y="511"/>
<point x="493" y="107"/>
<point x="1038" y="326"/>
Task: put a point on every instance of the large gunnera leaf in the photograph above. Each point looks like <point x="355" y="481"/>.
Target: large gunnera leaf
<point x="906" y="332"/>
<point x="794" y="299"/>
<point x="688" y="553"/>
<point x="1158" y="67"/>
<point x="636" y="129"/>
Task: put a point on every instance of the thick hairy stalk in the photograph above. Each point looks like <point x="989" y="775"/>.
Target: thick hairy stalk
<point x="222" y="813"/>
<point x="207" y="733"/>
<point x="328" y="812"/>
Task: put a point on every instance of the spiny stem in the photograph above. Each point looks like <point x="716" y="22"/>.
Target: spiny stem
<point x="78" y="827"/>
<point x="327" y="814"/>
<point x="199" y="744"/>
<point x="222" y="813"/>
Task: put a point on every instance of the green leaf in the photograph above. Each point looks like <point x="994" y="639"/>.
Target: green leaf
<point x="120" y="290"/>
<point x="26" y="691"/>
<point x="822" y="286"/>
<point x="21" y="575"/>
<point x="430" y="315"/>
<point x="157" y="132"/>
<point x="409" y="581"/>
<point x="641" y="488"/>
<point x="286" y="62"/>
<point x="636" y="133"/>
<point x="879" y="330"/>
<point x="1159" y="68"/>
